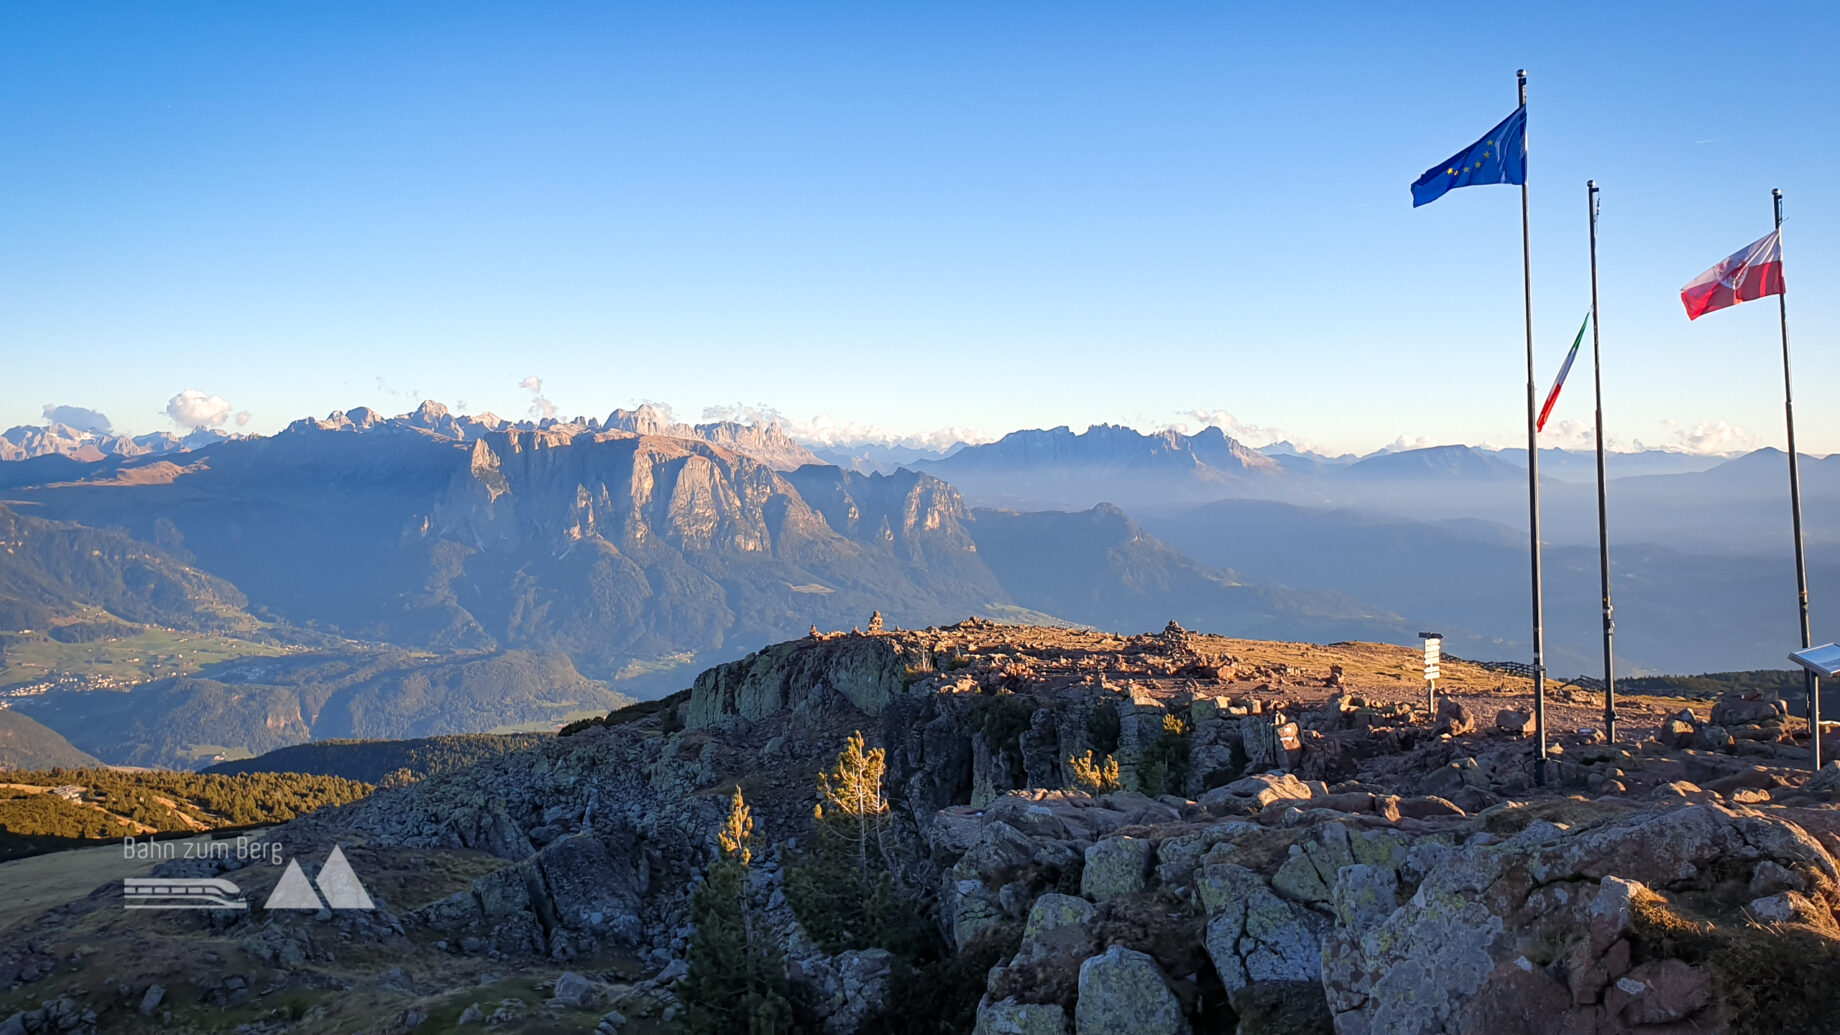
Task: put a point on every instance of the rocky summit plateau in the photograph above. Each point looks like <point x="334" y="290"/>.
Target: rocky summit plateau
<point x="1085" y="832"/>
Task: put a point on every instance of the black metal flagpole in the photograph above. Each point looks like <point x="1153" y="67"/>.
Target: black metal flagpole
<point x="1795" y="503"/>
<point x="1533" y="476"/>
<point x="1603" y="505"/>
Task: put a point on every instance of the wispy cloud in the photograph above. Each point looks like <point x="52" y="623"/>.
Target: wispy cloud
<point x="405" y="393"/>
<point x="539" y="406"/>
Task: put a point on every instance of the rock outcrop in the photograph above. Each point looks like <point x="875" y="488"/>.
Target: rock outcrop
<point x="1275" y="861"/>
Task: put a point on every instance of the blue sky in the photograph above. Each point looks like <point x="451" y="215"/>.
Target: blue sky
<point x="907" y="217"/>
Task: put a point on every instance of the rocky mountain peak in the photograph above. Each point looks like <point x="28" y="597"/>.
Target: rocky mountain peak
<point x="429" y="414"/>
<point x="647" y="419"/>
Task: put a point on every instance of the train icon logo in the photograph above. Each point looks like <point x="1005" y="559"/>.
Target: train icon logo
<point x="182" y="893"/>
<point x="337" y="887"/>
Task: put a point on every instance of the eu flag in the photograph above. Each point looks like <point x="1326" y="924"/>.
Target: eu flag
<point x="1499" y="157"/>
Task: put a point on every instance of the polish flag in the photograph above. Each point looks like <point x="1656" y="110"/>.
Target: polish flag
<point x="1750" y="274"/>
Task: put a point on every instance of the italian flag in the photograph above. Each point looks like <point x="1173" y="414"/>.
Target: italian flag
<point x="1559" y="382"/>
<point x="1751" y="273"/>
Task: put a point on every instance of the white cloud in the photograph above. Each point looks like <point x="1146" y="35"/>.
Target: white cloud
<point x="663" y="410"/>
<point x="1571" y="434"/>
<point x="1712" y="438"/>
<point x="539" y="406"/>
<point x="242" y="419"/>
<point x="1254" y="435"/>
<point x="1581" y="435"/>
<point x="80" y="417"/>
<point x="194" y="409"/>
<point x="1403" y="443"/>
<point x="825" y="430"/>
<point x="759" y="415"/>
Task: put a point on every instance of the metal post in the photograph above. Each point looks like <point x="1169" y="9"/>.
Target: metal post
<point x="1603" y="505"/>
<point x="1533" y="479"/>
<point x="1795" y="505"/>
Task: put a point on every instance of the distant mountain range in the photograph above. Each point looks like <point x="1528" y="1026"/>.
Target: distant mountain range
<point x="1107" y="463"/>
<point x="458" y="573"/>
<point x="27" y="441"/>
<point x="549" y="567"/>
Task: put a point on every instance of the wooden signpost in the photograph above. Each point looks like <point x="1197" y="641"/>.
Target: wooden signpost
<point x="1434" y="650"/>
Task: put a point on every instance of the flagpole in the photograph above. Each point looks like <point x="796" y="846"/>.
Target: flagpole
<point x="1603" y="505"/>
<point x="1795" y="504"/>
<point x="1533" y="477"/>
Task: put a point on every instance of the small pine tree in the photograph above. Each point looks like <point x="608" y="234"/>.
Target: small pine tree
<point x="736" y="981"/>
<point x="846" y="897"/>
<point x="853" y="787"/>
<point x="1094" y="777"/>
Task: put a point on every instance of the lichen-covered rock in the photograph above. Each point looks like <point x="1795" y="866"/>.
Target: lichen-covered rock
<point x="1310" y="874"/>
<point x="1010" y="1017"/>
<point x="1122" y="992"/>
<point x="1438" y="951"/>
<point x="848" y="987"/>
<point x="1140" y="733"/>
<point x="1178" y="856"/>
<point x="999" y="849"/>
<point x="1059" y="814"/>
<point x="1534" y="932"/>
<point x="1253" y="936"/>
<point x="970" y="907"/>
<point x="869" y="672"/>
<point x="1057" y="926"/>
<point x="1115" y="867"/>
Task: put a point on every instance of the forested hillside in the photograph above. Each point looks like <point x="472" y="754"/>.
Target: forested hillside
<point x="372" y="761"/>
<point x="44" y="810"/>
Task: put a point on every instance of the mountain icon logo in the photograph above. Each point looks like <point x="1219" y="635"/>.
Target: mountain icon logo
<point x="337" y="882"/>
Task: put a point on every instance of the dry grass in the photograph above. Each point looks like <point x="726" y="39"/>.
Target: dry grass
<point x="1768" y="979"/>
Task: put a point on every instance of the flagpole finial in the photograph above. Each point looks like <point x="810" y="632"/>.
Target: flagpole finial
<point x="1591" y="184"/>
<point x="1520" y="74"/>
<point x="1776" y="192"/>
